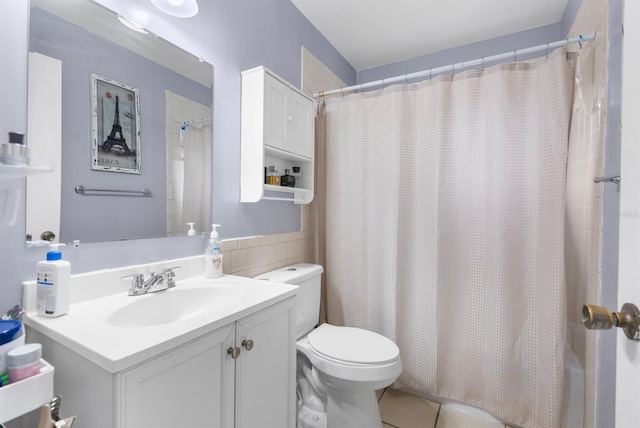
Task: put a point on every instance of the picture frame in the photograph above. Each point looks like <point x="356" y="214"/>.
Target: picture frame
<point x="115" y="126"/>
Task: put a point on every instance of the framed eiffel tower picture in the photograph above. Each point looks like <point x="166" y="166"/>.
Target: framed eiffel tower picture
<point x="115" y="128"/>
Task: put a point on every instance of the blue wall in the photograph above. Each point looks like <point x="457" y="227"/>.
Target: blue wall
<point x="484" y="48"/>
<point x="233" y="35"/>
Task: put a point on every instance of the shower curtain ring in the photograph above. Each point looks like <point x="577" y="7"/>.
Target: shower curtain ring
<point x="580" y="42"/>
<point x="547" y="54"/>
<point x="482" y="63"/>
<point x="514" y="56"/>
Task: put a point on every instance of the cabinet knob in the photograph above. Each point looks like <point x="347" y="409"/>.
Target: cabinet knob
<point x="248" y="344"/>
<point x="234" y="352"/>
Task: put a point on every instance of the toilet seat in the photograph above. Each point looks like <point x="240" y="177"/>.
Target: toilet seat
<point x="338" y="358"/>
<point x="352" y="345"/>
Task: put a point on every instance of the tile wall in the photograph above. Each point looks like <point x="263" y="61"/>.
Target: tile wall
<point x="583" y="232"/>
<point x="258" y="254"/>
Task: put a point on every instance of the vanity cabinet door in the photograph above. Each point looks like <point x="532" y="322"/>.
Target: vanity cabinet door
<point x="265" y="368"/>
<point x="192" y="386"/>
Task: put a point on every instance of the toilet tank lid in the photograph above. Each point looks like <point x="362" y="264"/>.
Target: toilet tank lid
<point x="293" y="274"/>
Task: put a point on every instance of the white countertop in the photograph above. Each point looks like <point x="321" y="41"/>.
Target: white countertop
<point x="97" y="295"/>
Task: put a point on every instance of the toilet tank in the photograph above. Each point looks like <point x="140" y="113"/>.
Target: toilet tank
<point x="307" y="277"/>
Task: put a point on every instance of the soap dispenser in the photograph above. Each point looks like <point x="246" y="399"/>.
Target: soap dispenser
<point x="213" y="255"/>
<point x="52" y="277"/>
<point x="191" y="231"/>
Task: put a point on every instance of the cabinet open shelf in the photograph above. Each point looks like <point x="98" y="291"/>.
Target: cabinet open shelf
<point x="19" y="171"/>
<point x="19" y="398"/>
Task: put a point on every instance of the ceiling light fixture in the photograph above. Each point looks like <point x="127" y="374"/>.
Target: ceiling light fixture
<point x="178" y="8"/>
<point x="132" y="25"/>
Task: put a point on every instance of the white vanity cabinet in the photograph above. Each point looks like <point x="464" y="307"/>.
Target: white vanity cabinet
<point x="192" y="386"/>
<point x="277" y="129"/>
<point x="240" y="375"/>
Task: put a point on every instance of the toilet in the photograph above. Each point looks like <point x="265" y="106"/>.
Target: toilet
<point x="339" y="369"/>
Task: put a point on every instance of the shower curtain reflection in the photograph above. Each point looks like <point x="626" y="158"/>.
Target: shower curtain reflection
<point x="444" y="203"/>
<point x="196" y="190"/>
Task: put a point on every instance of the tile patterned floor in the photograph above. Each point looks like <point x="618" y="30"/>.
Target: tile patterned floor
<point x="401" y="410"/>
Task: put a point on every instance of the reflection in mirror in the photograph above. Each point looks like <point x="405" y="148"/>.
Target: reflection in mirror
<point x="69" y="42"/>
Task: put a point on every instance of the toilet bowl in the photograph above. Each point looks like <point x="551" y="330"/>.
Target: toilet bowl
<point x="339" y="368"/>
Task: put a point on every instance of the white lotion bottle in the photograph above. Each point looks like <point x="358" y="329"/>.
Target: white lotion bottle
<point x="213" y="255"/>
<point x="52" y="277"/>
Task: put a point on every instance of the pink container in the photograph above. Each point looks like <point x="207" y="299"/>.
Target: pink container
<point x="24" y="361"/>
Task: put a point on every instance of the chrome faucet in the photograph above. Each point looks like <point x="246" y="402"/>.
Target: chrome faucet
<point x="156" y="282"/>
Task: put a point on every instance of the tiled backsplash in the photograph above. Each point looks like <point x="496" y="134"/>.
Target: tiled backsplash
<point x="254" y="255"/>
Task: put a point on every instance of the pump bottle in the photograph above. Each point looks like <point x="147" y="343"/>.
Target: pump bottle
<point x="52" y="277"/>
<point x="213" y="255"/>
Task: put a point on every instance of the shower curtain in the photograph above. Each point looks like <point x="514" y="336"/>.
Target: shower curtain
<point x="196" y="202"/>
<point x="441" y="226"/>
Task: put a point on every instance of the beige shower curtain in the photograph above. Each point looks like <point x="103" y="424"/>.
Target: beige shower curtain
<point x="441" y="225"/>
<point x="197" y="185"/>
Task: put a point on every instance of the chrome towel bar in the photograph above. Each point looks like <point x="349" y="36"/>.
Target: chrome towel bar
<point x="81" y="190"/>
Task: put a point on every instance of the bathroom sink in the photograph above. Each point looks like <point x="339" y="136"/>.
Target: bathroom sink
<point x="175" y="305"/>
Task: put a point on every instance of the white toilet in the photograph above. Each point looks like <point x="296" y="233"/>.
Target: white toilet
<point x="339" y="368"/>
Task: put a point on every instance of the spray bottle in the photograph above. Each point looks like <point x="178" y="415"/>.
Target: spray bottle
<point x="213" y="255"/>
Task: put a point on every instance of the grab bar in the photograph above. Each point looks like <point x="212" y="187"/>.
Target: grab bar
<point x="613" y="178"/>
<point x="81" y="190"/>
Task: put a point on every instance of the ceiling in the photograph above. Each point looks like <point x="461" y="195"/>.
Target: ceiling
<point x="369" y="33"/>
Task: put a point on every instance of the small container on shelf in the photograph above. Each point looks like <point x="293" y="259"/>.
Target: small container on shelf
<point x="287" y="180"/>
<point x="274" y="176"/>
<point x="24" y="361"/>
<point x="14" y="152"/>
<point x="297" y="175"/>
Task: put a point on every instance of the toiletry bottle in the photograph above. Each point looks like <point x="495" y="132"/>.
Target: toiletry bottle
<point x="192" y="231"/>
<point x="14" y="152"/>
<point x="52" y="276"/>
<point x="287" y="179"/>
<point x="297" y="175"/>
<point x="213" y="255"/>
<point x="274" y="176"/>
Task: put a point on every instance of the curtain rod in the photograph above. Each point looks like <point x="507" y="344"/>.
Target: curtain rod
<point x="192" y="122"/>
<point x="456" y="66"/>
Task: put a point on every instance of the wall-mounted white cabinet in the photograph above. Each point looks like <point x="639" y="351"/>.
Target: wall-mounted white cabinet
<point x="277" y="130"/>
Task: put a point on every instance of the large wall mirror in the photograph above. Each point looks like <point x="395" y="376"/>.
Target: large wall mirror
<point x="139" y="141"/>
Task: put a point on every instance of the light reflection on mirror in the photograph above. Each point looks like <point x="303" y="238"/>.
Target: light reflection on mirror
<point x="70" y="41"/>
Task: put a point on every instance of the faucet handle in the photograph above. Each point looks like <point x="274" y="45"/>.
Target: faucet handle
<point x="137" y="284"/>
<point x="170" y="269"/>
<point x="169" y="276"/>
